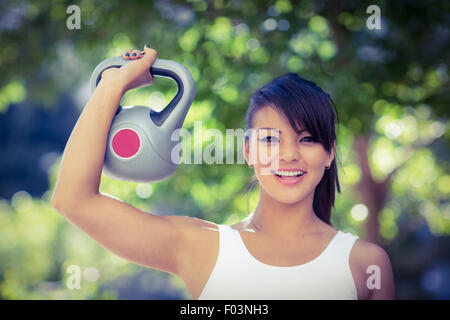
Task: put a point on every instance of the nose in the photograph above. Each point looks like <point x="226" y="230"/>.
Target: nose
<point x="289" y="153"/>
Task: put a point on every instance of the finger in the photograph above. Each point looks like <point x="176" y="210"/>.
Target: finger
<point x="148" y="57"/>
<point x="150" y="53"/>
<point x="127" y="54"/>
<point x="135" y="55"/>
<point x="143" y="52"/>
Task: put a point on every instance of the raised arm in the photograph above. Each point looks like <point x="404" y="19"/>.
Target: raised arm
<point x="141" y="237"/>
<point x="82" y="161"/>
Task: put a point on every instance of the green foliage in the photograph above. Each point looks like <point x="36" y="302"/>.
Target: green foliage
<point x="229" y="48"/>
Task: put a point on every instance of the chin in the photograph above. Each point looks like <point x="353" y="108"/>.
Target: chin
<point x="291" y="200"/>
<point x="292" y="197"/>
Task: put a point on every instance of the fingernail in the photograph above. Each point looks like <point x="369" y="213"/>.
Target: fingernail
<point x="142" y="52"/>
<point x="147" y="45"/>
<point x="127" y="54"/>
<point x="134" y="54"/>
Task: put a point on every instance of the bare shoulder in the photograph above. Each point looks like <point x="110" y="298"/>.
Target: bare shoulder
<point x="372" y="271"/>
<point x="199" y="251"/>
<point x="197" y="235"/>
<point x="187" y="221"/>
<point x="366" y="253"/>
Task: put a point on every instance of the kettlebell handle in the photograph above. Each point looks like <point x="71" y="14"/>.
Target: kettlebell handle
<point x="159" y="68"/>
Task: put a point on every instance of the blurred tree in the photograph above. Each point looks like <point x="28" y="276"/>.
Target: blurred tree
<point x="390" y="87"/>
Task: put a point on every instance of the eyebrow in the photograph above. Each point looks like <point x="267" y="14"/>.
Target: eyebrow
<point x="303" y="130"/>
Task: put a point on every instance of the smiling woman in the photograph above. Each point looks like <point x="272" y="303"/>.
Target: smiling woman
<point x="286" y="249"/>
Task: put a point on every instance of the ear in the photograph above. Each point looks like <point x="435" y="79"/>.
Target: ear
<point x="332" y="152"/>
<point x="246" y="149"/>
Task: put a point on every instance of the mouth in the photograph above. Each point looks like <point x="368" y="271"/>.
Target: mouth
<point x="289" y="177"/>
<point x="289" y="173"/>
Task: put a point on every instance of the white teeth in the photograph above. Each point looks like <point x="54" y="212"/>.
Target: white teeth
<point x="289" y="173"/>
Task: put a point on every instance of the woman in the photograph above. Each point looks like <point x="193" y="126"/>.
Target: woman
<point x="286" y="249"/>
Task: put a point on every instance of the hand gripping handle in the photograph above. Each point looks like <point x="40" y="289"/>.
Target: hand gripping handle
<point x="159" y="68"/>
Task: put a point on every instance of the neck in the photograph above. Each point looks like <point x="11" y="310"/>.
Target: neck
<point x="282" y="220"/>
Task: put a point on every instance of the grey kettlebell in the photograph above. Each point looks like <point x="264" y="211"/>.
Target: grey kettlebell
<point x="139" y="146"/>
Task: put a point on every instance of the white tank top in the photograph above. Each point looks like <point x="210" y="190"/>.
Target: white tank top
<point x="237" y="275"/>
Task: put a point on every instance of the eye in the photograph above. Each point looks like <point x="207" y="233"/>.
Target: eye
<point x="309" y="139"/>
<point x="269" y="139"/>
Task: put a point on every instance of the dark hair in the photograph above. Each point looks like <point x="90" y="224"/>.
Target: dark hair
<point x="307" y="106"/>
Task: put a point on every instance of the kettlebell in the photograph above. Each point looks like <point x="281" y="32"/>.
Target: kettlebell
<point x="139" y="146"/>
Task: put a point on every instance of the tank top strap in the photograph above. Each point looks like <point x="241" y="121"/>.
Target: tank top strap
<point x="230" y="247"/>
<point x="340" y="248"/>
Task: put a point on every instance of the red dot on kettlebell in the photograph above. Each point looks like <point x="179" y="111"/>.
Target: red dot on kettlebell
<point x="126" y="143"/>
